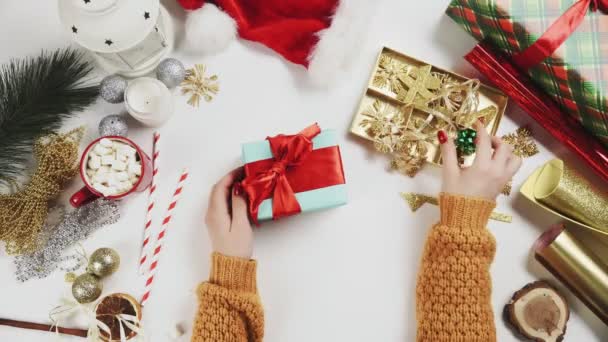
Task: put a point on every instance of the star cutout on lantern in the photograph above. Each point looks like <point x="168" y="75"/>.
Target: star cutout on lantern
<point x="522" y="143"/>
<point x="109" y="42"/>
<point x="74" y="29"/>
<point x="147" y="15"/>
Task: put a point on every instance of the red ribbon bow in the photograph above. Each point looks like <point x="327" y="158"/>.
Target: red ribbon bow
<point x="557" y="33"/>
<point x="288" y="151"/>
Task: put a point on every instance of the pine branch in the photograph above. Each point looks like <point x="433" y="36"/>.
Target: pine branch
<point x="36" y="95"/>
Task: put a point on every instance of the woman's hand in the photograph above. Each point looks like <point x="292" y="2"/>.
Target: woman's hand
<point x="227" y="220"/>
<point x="490" y="170"/>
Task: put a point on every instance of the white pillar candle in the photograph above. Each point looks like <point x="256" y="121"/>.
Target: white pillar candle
<point x="149" y="101"/>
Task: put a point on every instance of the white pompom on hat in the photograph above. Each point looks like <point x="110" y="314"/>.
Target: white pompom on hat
<point x="209" y="30"/>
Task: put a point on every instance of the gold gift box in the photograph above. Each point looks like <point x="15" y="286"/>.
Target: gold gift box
<point x="388" y="98"/>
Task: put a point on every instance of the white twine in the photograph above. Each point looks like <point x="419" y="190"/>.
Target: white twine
<point x="94" y="325"/>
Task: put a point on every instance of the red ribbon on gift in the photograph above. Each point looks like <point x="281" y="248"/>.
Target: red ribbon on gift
<point x="557" y="33"/>
<point x="295" y="167"/>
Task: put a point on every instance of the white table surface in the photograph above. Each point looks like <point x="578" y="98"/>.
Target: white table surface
<point x="346" y="274"/>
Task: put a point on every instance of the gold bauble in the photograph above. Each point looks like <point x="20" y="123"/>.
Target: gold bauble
<point x="103" y="262"/>
<point x="86" y="288"/>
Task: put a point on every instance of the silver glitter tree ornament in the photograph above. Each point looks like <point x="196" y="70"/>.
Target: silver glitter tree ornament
<point x="55" y="239"/>
<point x="113" y="125"/>
<point x="171" y="72"/>
<point x="112" y="89"/>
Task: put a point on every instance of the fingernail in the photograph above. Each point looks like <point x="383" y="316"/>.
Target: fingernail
<point x="236" y="189"/>
<point x="442" y="137"/>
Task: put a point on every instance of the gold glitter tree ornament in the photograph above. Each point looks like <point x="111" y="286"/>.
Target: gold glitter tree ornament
<point x="22" y="214"/>
<point x="198" y="86"/>
<point x="416" y="201"/>
<point x="521" y="140"/>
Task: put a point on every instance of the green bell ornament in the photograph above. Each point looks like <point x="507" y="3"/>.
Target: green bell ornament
<point x="465" y="141"/>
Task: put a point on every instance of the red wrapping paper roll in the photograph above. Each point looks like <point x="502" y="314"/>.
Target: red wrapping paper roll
<point x="539" y="106"/>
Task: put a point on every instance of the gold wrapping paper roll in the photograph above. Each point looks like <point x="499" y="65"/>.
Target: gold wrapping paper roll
<point x="576" y="267"/>
<point x="563" y="191"/>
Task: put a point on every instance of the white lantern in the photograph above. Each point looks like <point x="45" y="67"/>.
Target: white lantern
<point x="127" y="37"/>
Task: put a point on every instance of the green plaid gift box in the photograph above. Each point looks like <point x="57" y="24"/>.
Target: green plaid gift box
<point x="575" y="75"/>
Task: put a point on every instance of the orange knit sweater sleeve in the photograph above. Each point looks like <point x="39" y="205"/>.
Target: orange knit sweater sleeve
<point x="453" y="293"/>
<point x="229" y="305"/>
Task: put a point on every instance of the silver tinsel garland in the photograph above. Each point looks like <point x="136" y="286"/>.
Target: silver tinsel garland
<point x="73" y="228"/>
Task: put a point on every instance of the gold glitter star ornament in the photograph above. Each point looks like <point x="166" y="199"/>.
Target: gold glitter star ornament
<point x="521" y="140"/>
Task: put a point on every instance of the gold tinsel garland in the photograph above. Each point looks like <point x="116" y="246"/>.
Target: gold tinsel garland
<point x="22" y="214"/>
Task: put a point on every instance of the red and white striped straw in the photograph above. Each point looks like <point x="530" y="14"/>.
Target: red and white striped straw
<point x="158" y="245"/>
<point x="145" y="249"/>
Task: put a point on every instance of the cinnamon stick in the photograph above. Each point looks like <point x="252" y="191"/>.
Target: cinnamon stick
<point x="43" y="327"/>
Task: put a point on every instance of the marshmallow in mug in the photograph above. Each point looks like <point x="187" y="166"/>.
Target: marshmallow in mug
<point x="113" y="167"/>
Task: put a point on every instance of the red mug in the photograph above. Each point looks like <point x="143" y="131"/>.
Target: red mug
<point x="88" y="193"/>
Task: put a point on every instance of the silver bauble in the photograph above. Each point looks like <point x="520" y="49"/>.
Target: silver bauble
<point x="171" y="72"/>
<point x="113" y="125"/>
<point x="112" y="89"/>
<point x="86" y="288"/>
<point x="103" y="262"/>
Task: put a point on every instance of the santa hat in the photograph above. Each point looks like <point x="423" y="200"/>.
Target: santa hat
<point x="320" y="35"/>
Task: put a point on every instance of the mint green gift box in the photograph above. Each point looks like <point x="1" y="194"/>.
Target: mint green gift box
<point x="310" y="200"/>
